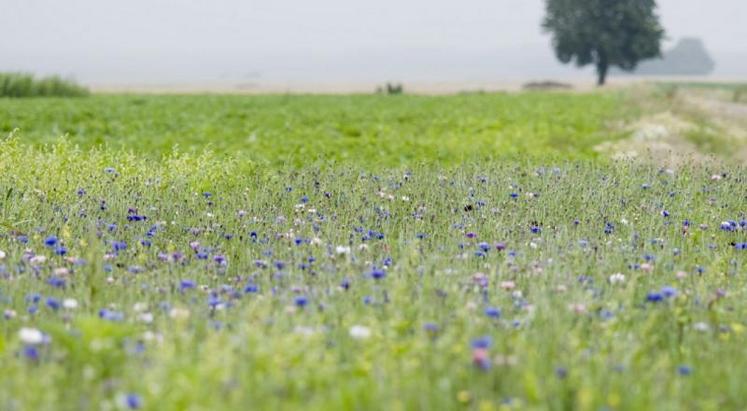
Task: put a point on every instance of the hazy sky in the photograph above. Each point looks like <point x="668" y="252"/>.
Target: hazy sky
<point x="322" y="40"/>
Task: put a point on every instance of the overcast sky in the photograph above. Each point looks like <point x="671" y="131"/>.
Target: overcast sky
<point x="322" y="40"/>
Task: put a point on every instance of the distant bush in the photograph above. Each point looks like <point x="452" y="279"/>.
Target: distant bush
<point x="25" y="85"/>
<point x="391" y="89"/>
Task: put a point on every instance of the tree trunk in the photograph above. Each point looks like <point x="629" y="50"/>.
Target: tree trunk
<point x="602" y="68"/>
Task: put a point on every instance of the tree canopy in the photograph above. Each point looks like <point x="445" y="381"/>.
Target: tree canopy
<point x="604" y="32"/>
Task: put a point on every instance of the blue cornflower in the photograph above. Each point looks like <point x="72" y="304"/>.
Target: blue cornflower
<point x="431" y="327"/>
<point x="654" y="297"/>
<point x="133" y="401"/>
<point x="668" y="292"/>
<point x="345" y="284"/>
<point x="202" y="255"/>
<point x="118" y="246"/>
<point x="484" y="246"/>
<point x="60" y="250"/>
<point x="740" y="246"/>
<point x="483" y="342"/>
<point x="214" y="300"/>
<point x="301" y="301"/>
<point x="31" y="352"/>
<point x="377" y="273"/>
<point x="110" y="315"/>
<point x="305" y="199"/>
<point x="664" y="213"/>
<point x="493" y="312"/>
<point x="53" y="303"/>
<point x="251" y="288"/>
<point x="729" y="225"/>
<point x="536" y="229"/>
<point x="50" y="241"/>
<point x="609" y="228"/>
<point x="186" y="285"/>
<point x="684" y="370"/>
<point x="514" y="195"/>
<point x="136" y="217"/>
<point x="56" y="282"/>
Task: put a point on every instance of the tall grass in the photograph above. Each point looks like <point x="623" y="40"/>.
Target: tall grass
<point x="25" y="85"/>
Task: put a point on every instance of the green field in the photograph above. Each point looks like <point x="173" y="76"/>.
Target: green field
<point x="298" y="130"/>
<point x="470" y="252"/>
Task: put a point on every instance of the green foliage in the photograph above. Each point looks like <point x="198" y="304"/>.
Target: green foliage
<point x="605" y="33"/>
<point x="371" y="130"/>
<point x="25" y="85"/>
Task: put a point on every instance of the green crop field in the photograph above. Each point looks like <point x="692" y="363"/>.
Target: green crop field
<point x="298" y="130"/>
<point x="467" y="252"/>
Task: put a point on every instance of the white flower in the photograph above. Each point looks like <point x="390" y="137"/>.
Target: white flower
<point x="2" y="254"/>
<point x="508" y="285"/>
<point x="179" y="313"/>
<point x="617" y="278"/>
<point x="341" y="249"/>
<point x="70" y="303"/>
<point x="146" y="318"/>
<point x="360" y="332"/>
<point x="305" y="331"/>
<point x="31" y="336"/>
<point x="38" y="260"/>
<point x="701" y="326"/>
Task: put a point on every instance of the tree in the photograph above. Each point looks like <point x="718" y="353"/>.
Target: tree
<point x="604" y="32"/>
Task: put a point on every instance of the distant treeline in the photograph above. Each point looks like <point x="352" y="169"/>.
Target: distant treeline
<point x="26" y="85"/>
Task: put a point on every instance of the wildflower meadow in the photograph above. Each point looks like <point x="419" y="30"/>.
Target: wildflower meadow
<point x="363" y="252"/>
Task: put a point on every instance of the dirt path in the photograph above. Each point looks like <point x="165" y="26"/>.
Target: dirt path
<point x="697" y="126"/>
